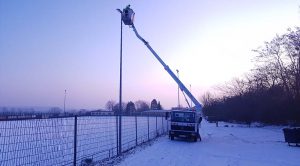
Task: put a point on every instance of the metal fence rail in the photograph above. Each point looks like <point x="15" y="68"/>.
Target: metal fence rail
<point x="73" y="140"/>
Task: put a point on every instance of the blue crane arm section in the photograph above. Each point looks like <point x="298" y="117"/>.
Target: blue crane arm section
<point x="198" y="106"/>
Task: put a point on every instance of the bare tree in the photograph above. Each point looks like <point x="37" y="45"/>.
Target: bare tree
<point x="110" y="105"/>
<point x="281" y="58"/>
<point x="142" y="106"/>
<point x="292" y="44"/>
<point x="116" y="108"/>
<point x="270" y="93"/>
<point x="236" y="86"/>
<point x="207" y="98"/>
<point x="55" y="110"/>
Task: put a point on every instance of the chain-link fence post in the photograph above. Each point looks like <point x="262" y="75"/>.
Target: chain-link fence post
<point x="136" y="134"/>
<point x="167" y="125"/>
<point x="162" y="125"/>
<point x="148" y="127"/>
<point x="75" y="141"/>
<point x="117" y="134"/>
<point x="156" y="125"/>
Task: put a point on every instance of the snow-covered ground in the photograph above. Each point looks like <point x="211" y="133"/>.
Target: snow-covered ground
<point x="51" y="141"/>
<point x="235" y="145"/>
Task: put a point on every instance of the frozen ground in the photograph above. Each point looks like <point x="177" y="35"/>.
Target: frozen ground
<point x="51" y="141"/>
<point x="221" y="146"/>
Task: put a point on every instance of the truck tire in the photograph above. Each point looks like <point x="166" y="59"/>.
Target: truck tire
<point x="172" y="137"/>
<point x="195" y="139"/>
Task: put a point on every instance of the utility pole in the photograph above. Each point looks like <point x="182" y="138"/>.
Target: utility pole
<point x="178" y="89"/>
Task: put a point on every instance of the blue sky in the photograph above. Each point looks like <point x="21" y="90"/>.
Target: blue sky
<point x="52" y="45"/>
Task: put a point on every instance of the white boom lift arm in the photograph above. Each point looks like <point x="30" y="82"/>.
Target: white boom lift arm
<point x="127" y="18"/>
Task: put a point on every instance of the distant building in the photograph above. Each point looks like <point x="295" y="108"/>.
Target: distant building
<point x="102" y="112"/>
<point x="156" y="113"/>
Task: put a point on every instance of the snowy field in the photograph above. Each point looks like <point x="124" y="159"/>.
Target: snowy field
<point x="235" y="145"/>
<point x="51" y="141"/>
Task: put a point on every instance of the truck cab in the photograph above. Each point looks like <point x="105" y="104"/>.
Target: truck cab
<point x="185" y="123"/>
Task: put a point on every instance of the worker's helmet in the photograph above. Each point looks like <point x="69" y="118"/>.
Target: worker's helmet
<point x="128" y="16"/>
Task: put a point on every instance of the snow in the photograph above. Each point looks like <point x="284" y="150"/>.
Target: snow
<point x="236" y="145"/>
<point x="36" y="141"/>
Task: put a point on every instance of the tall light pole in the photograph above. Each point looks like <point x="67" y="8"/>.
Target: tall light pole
<point x="127" y="16"/>
<point x="178" y="89"/>
<point x="120" y="92"/>
<point x="65" y="102"/>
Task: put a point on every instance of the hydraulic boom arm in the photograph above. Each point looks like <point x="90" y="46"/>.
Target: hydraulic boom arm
<point x="166" y="67"/>
<point x="128" y="17"/>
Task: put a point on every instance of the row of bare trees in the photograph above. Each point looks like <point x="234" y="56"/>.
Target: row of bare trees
<point x="128" y="108"/>
<point x="270" y="93"/>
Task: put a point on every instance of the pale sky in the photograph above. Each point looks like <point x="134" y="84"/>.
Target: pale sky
<point x="52" y="45"/>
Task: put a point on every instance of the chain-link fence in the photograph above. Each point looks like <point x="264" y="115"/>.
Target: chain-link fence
<point x="73" y="140"/>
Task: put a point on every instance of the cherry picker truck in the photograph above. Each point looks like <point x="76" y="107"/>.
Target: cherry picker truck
<point x="184" y="123"/>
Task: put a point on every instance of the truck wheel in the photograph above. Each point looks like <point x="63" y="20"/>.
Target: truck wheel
<point x="195" y="139"/>
<point x="172" y="137"/>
